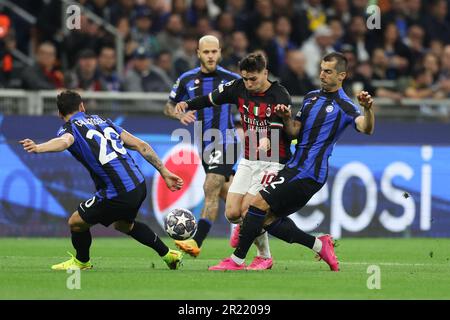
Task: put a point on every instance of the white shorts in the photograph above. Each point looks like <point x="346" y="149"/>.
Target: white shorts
<point x="252" y="176"/>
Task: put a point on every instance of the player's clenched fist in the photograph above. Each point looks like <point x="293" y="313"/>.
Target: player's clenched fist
<point x="365" y="99"/>
<point x="29" y="145"/>
<point x="181" y="107"/>
<point x="283" y="111"/>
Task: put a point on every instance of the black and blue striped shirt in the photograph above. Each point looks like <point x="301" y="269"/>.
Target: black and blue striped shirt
<point x="194" y="83"/>
<point x="97" y="145"/>
<point x="324" y="116"/>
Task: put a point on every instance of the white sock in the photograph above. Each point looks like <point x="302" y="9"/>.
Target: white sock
<point x="317" y="245"/>
<point x="238" y="261"/>
<point x="262" y="244"/>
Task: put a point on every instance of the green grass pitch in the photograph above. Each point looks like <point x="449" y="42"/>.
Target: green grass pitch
<point x="124" y="269"/>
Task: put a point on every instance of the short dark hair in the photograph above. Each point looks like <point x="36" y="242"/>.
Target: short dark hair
<point x="68" y="102"/>
<point x="254" y="62"/>
<point x="341" y="61"/>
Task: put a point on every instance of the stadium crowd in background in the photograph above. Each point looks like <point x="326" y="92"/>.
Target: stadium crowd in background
<point x="409" y="53"/>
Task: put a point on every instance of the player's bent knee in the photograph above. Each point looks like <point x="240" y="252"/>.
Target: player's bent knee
<point x="260" y="203"/>
<point x="233" y="215"/>
<point x="123" y="226"/>
<point x="269" y="219"/>
<point x="76" y="223"/>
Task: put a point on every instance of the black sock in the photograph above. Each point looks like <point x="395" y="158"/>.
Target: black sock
<point x="142" y="233"/>
<point x="285" y="229"/>
<point x="81" y="241"/>
<point x="251" y="228"/>
<point x="203" y="227"/>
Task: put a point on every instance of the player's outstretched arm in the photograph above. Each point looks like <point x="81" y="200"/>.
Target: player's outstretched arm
<point x="365" y="123"/>
<point x="291" y="127"/>
<point x="169" y="110"/>
<point x="53" y="145"/>
<point x="173" y="182"/>
<point x="184" y="117"/>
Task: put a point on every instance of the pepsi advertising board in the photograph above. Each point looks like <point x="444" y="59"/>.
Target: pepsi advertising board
<point x="392" y="184"/>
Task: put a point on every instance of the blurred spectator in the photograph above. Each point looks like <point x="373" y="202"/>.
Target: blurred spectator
<point x="48" y="23"/>
<point x="124" y="29"/>
<point x="444" y="75"/>
<point x="237" y="9"/>
<point x="160" y="10"/>
<point x="435" y="23"/>
<point x="164" y="62"/>
<point x="421" y="86"/>
<point x="357" y="37"/>
<point x="318" y="45"/>
<point x="141" y="33"/>
<point x="340" y="10"/>
<point x="201" y="8"/>
<point x="415" y="42"/>
<point x="338" y="32"/>
<point x="414" y="12"/>
<point x="436" y="47"/>
<point x="6" y="58"/>
<point x="43" y="75"/>
<point x="239" y="49"/>
<point x="171" y="37"/>
<point x="185" y="58"/>
<point x="107" y="68"/>
<point x="354" y="82"/>
<point x="312" y="16"/>
<point x="89" y="36"/>
<point x="398" y="16"/>
<point x="398" y="54"/>
<point x="86" y="75"/>
<point x="282" y="8"/>
<point x="225" y="25"/>
<point x="179" y="7"/>
<point x="143" y="77"/>
<point x="121" y="8"/>
<point x="294" y="76"/>
<point x="282" y="40"/>
<point x="431" y="64"/>
<point x="101" y="8"/>
<point x="265" y="40"/>
<point x="203" y="26"/>
<point x="364" y="72"/>
<point x="358" y="7"/>
<point x="263" y="11"/>
<point x="380" y="64"/>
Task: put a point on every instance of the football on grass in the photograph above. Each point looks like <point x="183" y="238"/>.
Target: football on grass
<point x="180" y="224"/>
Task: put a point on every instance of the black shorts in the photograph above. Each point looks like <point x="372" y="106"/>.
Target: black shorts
<point x="286" y="195"/>
<point x="220" y="160"/>
<point x="124" y="207"/>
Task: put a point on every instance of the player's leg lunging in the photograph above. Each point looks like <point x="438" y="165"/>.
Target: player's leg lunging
<point x="81" y="241"/>
<point x="212" y="187"/>
<point x="143" y="234"/>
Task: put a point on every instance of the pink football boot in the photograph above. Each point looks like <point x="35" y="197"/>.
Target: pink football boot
<point x="260" y="263"/>
<point x="327" y="253"/>
<point x="227" y="264"/>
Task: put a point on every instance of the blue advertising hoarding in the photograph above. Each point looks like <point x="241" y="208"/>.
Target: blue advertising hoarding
<point x="389" y="184"/>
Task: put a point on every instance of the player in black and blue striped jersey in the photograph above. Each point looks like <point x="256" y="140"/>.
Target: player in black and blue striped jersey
<point x="324" y="115"/>
<point x="218" y="157"/>
<point x="101" y="147"/>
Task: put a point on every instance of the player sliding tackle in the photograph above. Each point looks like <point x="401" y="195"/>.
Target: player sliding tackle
<point x="317" y="126"/>
<point x="101" y="146"/>
<point x="266" y="144"/>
